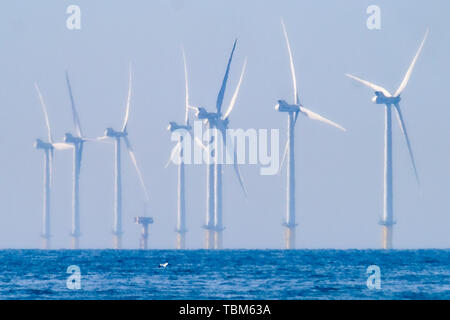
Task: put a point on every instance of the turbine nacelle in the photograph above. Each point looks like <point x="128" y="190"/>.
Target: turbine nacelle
<point x="283" y="106"/>
<point x="39" y="144"/>
<point x="175" y="126"/>
<point x="70" y="138"/>
<point x="380" y="98"/>
<point x="202" y="114"/>
<point x="110" y="132"/>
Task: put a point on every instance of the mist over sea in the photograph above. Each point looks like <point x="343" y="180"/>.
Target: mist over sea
<point x="225" y="274"/>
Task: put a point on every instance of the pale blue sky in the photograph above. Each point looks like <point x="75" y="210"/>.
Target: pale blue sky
<point x="339" y="175"/>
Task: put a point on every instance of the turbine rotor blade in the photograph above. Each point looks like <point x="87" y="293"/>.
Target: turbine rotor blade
<point x="75" y="117"/>
<point x="315" y="116"/>
<point x="186" y="116"/>
<point x="235" y="164"/>
<point x="175" y="150"/>
<point x="80" y="156"/>
<point x="200" y="143"/>
<point x="224" y="82"/>
<point x="238" y="174"/>
<point x="62" y="146"/>
<point x="236" y="92"/>
<point x="370" y="85"/>
<point x="103" y="139"/>
<point x="296" y="117"/>
<point x="291" y="62"/>
<point x="50" y="166"/>
<point x="127" y="112"/>
<point x="44" y="109"/>
<point x="286" y="148"/>
<point x="133" y="159"/>
<point x="411" y="67"/>
<point x="405" y="134"/>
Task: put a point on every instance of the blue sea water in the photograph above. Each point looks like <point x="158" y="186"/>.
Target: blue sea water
<point x="225" y="274"/>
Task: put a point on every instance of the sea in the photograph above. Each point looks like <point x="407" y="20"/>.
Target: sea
<point x="225" y="274"/>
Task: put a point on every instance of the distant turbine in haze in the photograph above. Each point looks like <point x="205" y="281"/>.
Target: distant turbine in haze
<point x="77" y="140"/>
<point x="178" y="150"/>
<point x="293" y="111"/>
<point x="119" y="136"/>
<point x="219" y="121"/>
<point x="48" y="148"/>
<point x="383" y="96"/>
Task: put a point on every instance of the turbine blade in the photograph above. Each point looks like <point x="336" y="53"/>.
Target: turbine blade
<point x="235" y="164"/>
<point x="76" y="118"/>
<point x="238" y="174"/>
<point x="186" y="116"/>
<point x="312" y="115"/>
<point x="236" y="92"/>
<point x="175" y="150"/>
<point x="133" y="159"/>
<point x="127" y="112"/>
<point x="296" y="117"/>
<point x="62" y="146"/>
<point x="284" y="156"/>
<point x="50" y="167"/>
<point x="291" y="62"/>
<point x="370" y="85"/>
<point x="44" y="109"/>
<point x="224" y="82"/>
<point x="103" y="139"/>
<point x="286" y="148"/>
<point x="411" y="67"/>
<point x="405" y="134"/>
<point x="80" y="156"/>
<point x="200" y="143"/>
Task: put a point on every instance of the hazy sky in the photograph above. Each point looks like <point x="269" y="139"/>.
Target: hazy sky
<point x="339" y="175"/>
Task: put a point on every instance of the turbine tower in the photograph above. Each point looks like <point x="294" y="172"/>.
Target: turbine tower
<point x="219" y="122"/>
<point x="77" y="141"/>
<point x="48" y="148"/>
<point x="383" y="96"/>
<point x="293" y="110"/>
<point x="118" y="136"/>
<point x="178" y="150"/>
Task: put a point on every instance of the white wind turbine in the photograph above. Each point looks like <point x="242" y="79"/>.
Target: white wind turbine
<point x="178" y="150"/>
<point x="48" y="148"/>
<point x="293" y="111"/>
<point x="217" y="120"/>
<point x="383" y="96"/>
<point x="118" y="136"/>
<point x="77" y="141"/>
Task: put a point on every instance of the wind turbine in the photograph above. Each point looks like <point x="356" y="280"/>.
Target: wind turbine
<point x="118" y="136"/>
<point x="77" y="141"/>
<point x="293" y="110"/>
<point x="217" y="120"/>
<point x="178" y="150"/>
<point x="383" y="96"/>
<point x="48" y="148"/>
